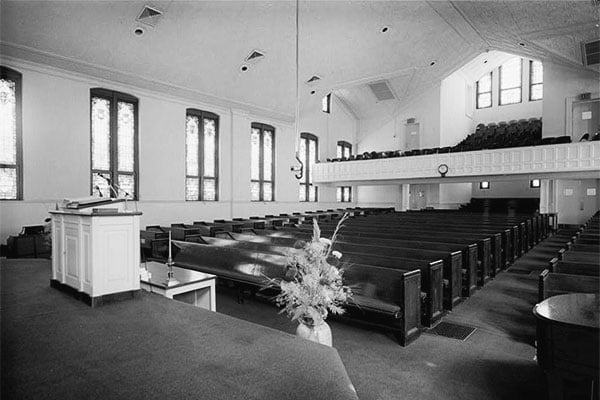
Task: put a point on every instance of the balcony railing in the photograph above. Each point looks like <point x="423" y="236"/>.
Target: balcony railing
<point x="548" y="159"/>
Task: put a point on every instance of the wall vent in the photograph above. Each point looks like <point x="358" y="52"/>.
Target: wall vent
<point x="382" y="91"/>
<point x="591" y="52"/>
<point x="149" y="16"/>
<point x="255" y="55"/>
<point x="313" y="79"/>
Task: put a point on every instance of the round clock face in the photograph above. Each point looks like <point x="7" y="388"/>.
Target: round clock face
<point x="443" y="169"/>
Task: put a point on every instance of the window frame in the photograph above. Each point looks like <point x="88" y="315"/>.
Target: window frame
<point x="344" y="145"/>
<point x="340" y="194"/>
<point x="305" y="179"/>
<point x="520" y="86"/>
<point x="261" y="154"/>
<point x="327" y="103"/>
<point x="477" y="92"/>
<point x="531" y="84"/>
<point x="202" y="115"/>
<point x="115" y="97"/>
<point x="11" y="74"/>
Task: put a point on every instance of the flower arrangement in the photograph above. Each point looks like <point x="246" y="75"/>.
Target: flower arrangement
<point x="314" y="287"/>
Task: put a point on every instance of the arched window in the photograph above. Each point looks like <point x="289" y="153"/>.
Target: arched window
<point x="114" y="144"/>
<point x="11" y="150"/>
<point x="262" y="166"/>
<point x="201" y="155"/>
<point x="309" y="150"/>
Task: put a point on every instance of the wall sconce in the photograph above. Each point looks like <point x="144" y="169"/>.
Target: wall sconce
<point x="534" y="183"/>
<point x="484" y="185"/>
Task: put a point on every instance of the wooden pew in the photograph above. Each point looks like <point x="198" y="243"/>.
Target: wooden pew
<point x="552" y="284"/>
<point x="588" y="248"/>
<point x="453" y="259"/>
<point x="508" y="242"/>
<point x="384" y="297"/>
<point x="431" y="271"/>
<point x="472" y="252"/>
<point x="483" y="240"/>
<point x="567" y="267"/>
<point x="579" y="256"/>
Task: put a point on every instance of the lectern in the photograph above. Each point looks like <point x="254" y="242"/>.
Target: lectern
<point x="95" y="253"/>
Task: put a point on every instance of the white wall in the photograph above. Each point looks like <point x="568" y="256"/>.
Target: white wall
<point x="56" y="153"/>
<point x="456" y="109"/>
<point x="375" y="135"/>
<point x="525" y="109"/>
<point x="562" y="83"/>
<point x="506" y="189"/>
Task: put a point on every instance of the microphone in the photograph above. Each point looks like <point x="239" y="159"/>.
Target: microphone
<point x="109" y="182"/>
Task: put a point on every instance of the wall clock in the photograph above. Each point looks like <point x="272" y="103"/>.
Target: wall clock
<point x="443" y="170"/>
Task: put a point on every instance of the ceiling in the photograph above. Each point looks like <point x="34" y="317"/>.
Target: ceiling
<point x="197" y="48"/>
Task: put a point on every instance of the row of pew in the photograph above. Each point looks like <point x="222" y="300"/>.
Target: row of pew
<point x="576" y="267"/>
<point x="406" y="269"/>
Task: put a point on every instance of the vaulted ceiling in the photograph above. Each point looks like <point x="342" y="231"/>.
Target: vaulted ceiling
<point x="197" y="48"/>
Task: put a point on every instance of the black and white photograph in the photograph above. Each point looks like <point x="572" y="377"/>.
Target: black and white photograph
<point x="300" y="199"/>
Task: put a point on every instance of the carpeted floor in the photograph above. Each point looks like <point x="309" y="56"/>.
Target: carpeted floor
<point x="495" y="362"/>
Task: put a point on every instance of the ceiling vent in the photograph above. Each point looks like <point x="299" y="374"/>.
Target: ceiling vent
<point x="149" y="16"/>
<point x="382" y="91"/>
<point x="313" y="79"/>
<point x="255" y="56"/>
<point x="591" y="52"/>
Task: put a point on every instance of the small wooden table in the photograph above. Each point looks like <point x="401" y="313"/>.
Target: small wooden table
<point x="568" y="342"/>
<point x="197" y="288"/>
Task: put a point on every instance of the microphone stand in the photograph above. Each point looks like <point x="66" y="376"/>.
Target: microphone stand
<point x="171" y="281"/>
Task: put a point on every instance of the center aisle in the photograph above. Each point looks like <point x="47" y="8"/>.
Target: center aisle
<point x="495" y="362"/>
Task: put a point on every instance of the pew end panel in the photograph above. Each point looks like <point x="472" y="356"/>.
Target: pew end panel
<point x="552" y="284"/>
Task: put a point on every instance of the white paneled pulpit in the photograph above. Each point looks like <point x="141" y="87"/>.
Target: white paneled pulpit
<point x="96" y="253"/>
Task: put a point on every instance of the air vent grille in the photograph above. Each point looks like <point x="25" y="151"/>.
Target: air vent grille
<point x="382" y="91"/>
<point x="313" y="79"/>
<point x="591" y="52"/>
<point x="255" y="55"/>
<point x="149" y="16"/>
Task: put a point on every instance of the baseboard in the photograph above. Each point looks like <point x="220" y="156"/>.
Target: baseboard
<point x="97" y="301"/>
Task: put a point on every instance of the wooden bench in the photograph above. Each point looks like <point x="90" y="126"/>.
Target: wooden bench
<point x="452" y="272"/>
<point x="431" y="271"/>
<point x="384" y="297"/>
<point x="552" y="284"/>
<point x="567" y="267"/>
<point x="484" y="241"/>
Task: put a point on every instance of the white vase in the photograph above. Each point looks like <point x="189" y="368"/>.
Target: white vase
<point x="320" y="332"/>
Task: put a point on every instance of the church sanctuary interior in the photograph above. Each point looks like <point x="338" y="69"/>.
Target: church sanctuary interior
<point x="299" y="199"/>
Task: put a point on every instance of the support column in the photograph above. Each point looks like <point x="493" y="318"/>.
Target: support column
<point x="403" y="203"/>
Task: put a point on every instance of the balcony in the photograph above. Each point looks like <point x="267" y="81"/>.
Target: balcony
<point x="580" y="160"/>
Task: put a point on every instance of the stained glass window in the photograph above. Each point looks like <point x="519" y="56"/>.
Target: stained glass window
<point x="10" y="135"/>
<point x="113" y="144"/>
<point x="484" y="91"/>
<point x="510" y="82"/>
<point x="201" y="155"/>
<point x="536" y="80"/>
<point x="261" y="162"/>
<point x="308" y="153"/>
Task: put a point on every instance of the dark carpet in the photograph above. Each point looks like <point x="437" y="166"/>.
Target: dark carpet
<point x="56" y="347"/>
<point x="495" y="362"/>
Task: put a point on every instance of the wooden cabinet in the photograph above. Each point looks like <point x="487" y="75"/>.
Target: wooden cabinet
<point x="96" y="256"/>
